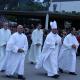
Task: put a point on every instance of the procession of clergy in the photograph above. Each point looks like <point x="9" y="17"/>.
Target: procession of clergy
<point x="56" y="56"/>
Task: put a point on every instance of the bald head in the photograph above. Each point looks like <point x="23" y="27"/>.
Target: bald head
<point x="19" y="26"/>
<point x="20" y="29"/>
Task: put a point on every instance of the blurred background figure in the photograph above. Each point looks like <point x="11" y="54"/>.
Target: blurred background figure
<point x="37" y="41"/>
<point x="78" y="38"/>
<point x="5" y="34"/>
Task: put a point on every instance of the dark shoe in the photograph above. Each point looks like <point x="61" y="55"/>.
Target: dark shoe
<point x="55" y="76"/>
<point x="60" y="70"/>
<point x="21" y="77"/>
<point x="72" y="73"/>
<point x="9" y="76"/>
<point x="2" y="71"/>
<point x="31" y="62"/>
<point x="45" y="74"/>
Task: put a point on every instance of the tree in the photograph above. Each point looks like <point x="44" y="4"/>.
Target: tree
<point x="8" y="3"/>
<point x="23" y="5"/>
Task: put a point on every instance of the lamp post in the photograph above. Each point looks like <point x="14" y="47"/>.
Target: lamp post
<point x="47" y="17"/>
<point x="60" y="5"/>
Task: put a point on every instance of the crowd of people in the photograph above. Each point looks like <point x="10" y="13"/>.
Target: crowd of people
<point x="52" y="50"/>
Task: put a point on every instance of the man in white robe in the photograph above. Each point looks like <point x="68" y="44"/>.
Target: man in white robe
<point x="16" y="49"/>
<point x="5" y="34"/>
<point x="49" y="56"/>
<point x="67" y="55"/>
<point x="37" y="40"/>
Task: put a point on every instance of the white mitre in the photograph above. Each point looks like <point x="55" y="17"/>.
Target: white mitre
<point x="53" y="25"/>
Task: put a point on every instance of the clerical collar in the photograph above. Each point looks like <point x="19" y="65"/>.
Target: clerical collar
<point x="54" y="34"/>
<point x="19" y="33"/>
<point x="38" y="29"/>
<point x="72" y="34"/>
<point x="4" y="29"/>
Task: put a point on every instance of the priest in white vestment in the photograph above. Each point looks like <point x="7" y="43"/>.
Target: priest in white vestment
<point x="67" y="55"/>
<point x="37" y="40"/>
<point x="16" y="49"/>
<point x="49" y="56"/>
<point x="5" y="34"/>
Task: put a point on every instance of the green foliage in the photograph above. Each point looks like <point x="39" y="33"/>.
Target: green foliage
<point x="31" y="7"/>
<point x="23" y="6"/>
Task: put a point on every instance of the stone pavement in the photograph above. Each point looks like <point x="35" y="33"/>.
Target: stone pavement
<point x="32" y="74"/>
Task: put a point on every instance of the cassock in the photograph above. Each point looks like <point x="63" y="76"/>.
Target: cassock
<point x="67" y="55"/>
<point x="4" y="37"/>
<point x="37" y="38"/>
<point x="49" y="56"/>
<point x="15" y="59"/>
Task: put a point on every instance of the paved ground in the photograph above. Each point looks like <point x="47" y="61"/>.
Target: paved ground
<point x="32" y="74"/>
